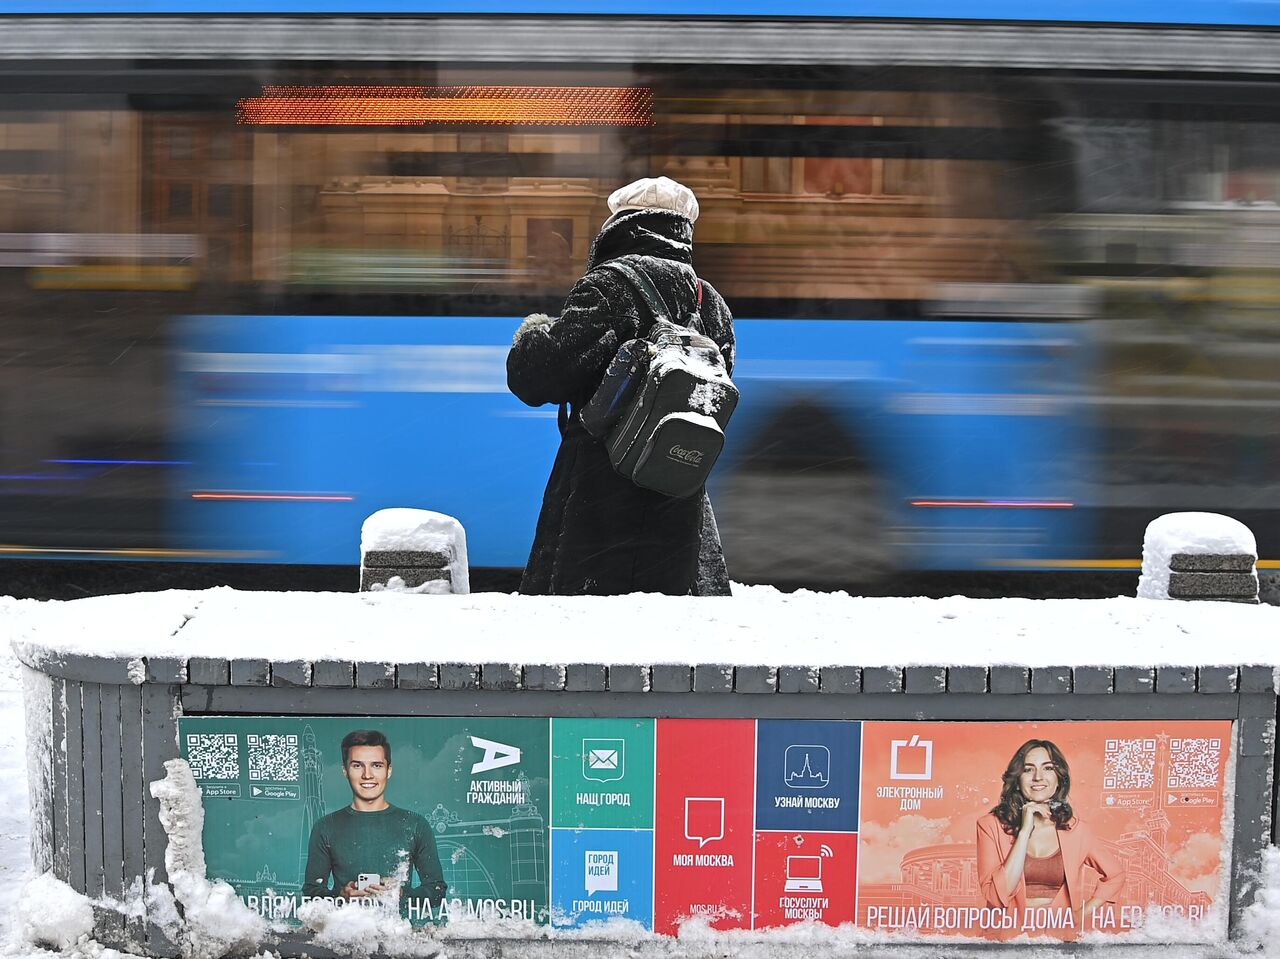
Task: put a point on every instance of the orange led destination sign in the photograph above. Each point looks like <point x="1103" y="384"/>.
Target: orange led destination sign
<point x="423" y="106"/>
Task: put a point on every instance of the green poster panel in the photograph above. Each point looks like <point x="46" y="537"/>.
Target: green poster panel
<point x="603" y="773"/>
<point x="479" y="786"/>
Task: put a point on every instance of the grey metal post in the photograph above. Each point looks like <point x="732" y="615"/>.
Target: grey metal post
<point x="1255" y="785"/>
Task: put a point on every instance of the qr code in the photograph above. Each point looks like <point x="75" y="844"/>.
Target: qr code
<point x="273" y="757"/>
<point x="1129" y="764"/>
<point x="213" y="755"/>
<point x="1193" y="763"/>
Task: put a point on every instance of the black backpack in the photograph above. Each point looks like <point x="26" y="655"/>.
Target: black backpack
<point x="665" y="400"/>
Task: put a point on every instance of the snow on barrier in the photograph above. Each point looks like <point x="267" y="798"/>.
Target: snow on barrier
<point x="568" y="771"/>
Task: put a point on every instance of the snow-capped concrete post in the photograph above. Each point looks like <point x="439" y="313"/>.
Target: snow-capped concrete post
<point x="1199" y="556"/>
<point x="413" y="550"/>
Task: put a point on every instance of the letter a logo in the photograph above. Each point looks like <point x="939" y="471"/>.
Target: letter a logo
<point x="496" y="755"/>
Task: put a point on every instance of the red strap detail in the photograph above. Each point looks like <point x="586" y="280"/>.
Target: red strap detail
<point x="699" y="294"/>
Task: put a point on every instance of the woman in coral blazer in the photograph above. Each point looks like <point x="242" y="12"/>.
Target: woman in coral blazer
<point x="1032" y="850"/>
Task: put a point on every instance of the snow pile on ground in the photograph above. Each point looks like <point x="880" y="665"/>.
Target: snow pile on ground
<point x="419" y="530"/>
<point x="363" y="930"/>
<point x="14" y="800"/>
<point x="1261" y="921"/>
<point x="366" y="926"/>
<point x="1196" y="533"/>
<point x="215" y="922"/>
<point x="52" y="914"/>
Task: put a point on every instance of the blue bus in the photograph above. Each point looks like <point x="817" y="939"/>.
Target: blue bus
<point x="1005" y="290"/>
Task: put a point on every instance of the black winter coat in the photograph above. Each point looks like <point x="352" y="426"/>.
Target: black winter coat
<point x="599" y="533"/>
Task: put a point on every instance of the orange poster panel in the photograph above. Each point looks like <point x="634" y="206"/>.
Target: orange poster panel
<point x="1000" y="830"/>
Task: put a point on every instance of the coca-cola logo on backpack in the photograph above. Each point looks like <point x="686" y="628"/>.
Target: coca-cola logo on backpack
<point x="682" y="455"/>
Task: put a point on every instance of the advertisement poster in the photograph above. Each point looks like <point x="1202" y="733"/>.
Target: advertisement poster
<point x="468" y="807"/>
<point x="988" y="830"/>
<point x="806" y="850"/>
<point x="705" y="815"/>
<point x="1142" y="806"/>
<point x="602" y="774"/>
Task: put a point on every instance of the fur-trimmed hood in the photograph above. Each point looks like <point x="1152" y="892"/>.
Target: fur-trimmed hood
<point x="531" y="322"/>
<point x="659" y="233"/>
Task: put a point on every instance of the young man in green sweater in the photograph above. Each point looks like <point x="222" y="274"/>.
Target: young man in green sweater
<point x="372" y="847"/>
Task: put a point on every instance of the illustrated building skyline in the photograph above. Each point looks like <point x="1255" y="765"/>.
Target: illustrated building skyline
<point x="310" y="762"/>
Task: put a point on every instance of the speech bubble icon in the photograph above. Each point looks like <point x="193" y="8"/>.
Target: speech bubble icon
<point x="601" y="868"/>
<point x="703" y="819"/>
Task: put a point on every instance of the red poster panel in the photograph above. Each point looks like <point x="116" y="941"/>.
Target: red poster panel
<point x="1050" y="830"/>
<point x="805" y="876"/>
<point x="705" y="817"/>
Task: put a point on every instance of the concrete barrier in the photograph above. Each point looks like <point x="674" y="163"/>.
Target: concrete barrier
<point x="97" y="825"/>
<point x="102" y="729"/>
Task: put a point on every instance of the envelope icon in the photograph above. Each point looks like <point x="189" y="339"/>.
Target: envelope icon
<point x="603" y="759"/>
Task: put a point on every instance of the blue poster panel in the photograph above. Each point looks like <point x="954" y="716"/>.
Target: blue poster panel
<point x="807" y="774"/>
<point x="601" y="874"/>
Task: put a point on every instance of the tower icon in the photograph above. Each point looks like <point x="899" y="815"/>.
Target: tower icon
<point x="806" y="766"/>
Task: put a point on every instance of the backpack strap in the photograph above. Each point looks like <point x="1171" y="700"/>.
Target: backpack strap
<point x="640" y="282"/>
<point x="643" y="285"/>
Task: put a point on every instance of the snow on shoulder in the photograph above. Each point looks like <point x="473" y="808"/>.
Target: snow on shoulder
<point x="758" y="625"/>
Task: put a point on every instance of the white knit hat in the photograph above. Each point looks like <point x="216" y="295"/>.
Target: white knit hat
<point x="655" y="193"/>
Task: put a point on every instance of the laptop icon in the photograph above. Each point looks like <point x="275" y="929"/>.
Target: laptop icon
<point x="804" y="874"/>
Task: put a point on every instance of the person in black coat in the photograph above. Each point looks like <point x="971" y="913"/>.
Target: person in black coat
<point x="599" y="533"/>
